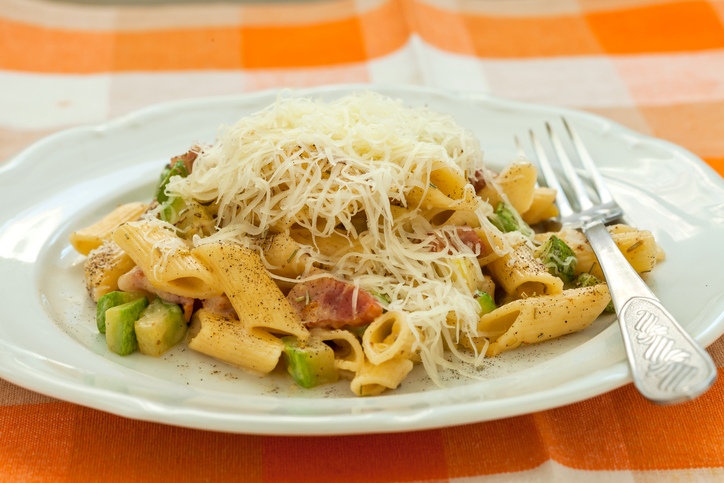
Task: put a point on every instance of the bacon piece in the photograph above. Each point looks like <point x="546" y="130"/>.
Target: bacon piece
<point x="220" y="305"/>
<point x="478" y="178"/>
<point x="136" y="280"/>
<point x="188" y="158"/>
<point x="326" y="302"/>
<point x="467" y="235"/>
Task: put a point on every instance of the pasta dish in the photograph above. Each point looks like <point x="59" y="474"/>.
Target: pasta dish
<point x="350" y="239"/>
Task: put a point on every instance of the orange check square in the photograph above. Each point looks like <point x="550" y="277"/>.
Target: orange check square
<point x="329" y="43"/>
<point x="669" y="27"/>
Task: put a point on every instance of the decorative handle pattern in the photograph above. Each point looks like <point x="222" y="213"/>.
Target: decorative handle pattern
<point x="667" y="365"/>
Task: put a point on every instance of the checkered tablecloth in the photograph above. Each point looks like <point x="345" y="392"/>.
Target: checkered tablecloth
<point x="656" y="66"/>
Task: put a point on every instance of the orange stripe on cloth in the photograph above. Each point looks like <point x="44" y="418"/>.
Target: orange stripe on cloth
<point x="417" y="456"/>
<point x="59" y="442"/>
<point x="717" y="164"/>
<point x="31" y="48"/>
<point x="668" y="27"/>
<point x="616" y="431"/>
<point x="503" y="36"/>
<point x="309" y="45"/>
<point x="213" y="48"/>
<point x="696" y="126"/>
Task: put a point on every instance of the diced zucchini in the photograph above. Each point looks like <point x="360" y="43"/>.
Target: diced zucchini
<point x="171" y="209"/>
<point x="586" y="280"/>
<point x="310" y="362"/>
<point x="160" y="327"/>
<point x="189" y="217"/>
<point x="558" y="258"/>
<point x="487" y="304"/>
<point x="110" y="300"/>
<point x="120" y="322"/>
<point x="507" y="220"/>
<point x="358" y="330"/>
<point x="178" y="169"/>
<point x="195" y="219"/>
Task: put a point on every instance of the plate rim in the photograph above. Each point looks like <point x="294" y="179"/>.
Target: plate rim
<point x="610" y="378"/>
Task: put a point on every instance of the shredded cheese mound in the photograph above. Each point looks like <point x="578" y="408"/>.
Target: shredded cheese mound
<point x="347" y="168"/>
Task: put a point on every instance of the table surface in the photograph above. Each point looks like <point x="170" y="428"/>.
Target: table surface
<point x="655" y="66"/>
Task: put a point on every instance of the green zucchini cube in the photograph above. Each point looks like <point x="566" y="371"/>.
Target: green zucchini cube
<point x="120" y="322"/>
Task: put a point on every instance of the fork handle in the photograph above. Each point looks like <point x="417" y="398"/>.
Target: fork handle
<point x="667" y="365"/>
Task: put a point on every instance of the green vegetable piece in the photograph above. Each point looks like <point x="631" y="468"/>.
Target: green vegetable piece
<point x="558" y="258"/>
<point x="507" y="220"/>
<point x="310" y="363"/>
<point x="178" y="169"/>
<point x="171" y="209"/>
<point x="487" y="304"/>
<point x="120" y="322"/>
<point x="164" y="174"/>
<point x="195" y="219"/>
<point x="189" y="218"/>
<point x="358" y="330"/>
<point x="587" y="280"/>
<point x="160" y="327"/>
<point x="110" y="300"/>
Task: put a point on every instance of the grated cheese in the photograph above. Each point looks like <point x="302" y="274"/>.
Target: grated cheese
<point x="316" y="165"/>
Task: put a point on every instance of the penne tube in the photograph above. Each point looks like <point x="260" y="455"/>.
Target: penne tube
<point x="373" y="379"/>
<point x="516" y="182"/>
<point x="228" y="340"/>
<point x="388" y="337"/>
<point x="166" y="260"/>
<point x="103" y="267"/>
<point x="348" y="353"/>
<point x="282" y="252"/>
<point x="542" y="207"/>
<point x="521" y="275"/>
<point x="92" y="237"/>
<point x="258" y="302"/>
<point x="536" y="319"/>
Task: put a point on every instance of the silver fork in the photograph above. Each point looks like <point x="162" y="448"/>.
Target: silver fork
<point x="667" y="365"/>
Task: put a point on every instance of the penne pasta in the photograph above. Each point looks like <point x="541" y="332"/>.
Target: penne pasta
<point x="369" y="235"/>
<point x="373" y="379"/>
<point x="257" y="300"/>
<point x="92" y="237"/>
<point x="229" y="340"/>
<point x="536" y="319"/>
<point x="387" y="338"/>
<point x="166" y="260"/>
<point x="103" y="267"/>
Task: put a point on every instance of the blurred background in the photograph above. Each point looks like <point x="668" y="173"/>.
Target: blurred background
<point x="656" y="66"/>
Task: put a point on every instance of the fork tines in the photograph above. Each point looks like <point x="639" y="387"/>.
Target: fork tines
<point x="580" y="195"/>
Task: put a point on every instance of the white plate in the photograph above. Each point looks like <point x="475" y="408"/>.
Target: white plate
<point x="48" y="340"/>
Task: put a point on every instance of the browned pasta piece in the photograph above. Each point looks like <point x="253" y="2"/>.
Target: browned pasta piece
<point x="104" y="267"/>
